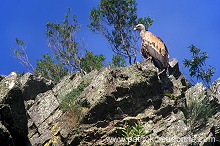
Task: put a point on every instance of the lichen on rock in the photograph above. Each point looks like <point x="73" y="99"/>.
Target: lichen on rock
<point x="107" y="100"/>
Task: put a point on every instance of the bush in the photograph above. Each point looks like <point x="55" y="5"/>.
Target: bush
<point x="69" y="104"/>
<point x="118" y="61"/>
<point x="197" y="65"/>
<point x="92" y="61"/>
<point x="133" y="131"/>
<point x="49" y="69"/>
<point x="198" y="109"/>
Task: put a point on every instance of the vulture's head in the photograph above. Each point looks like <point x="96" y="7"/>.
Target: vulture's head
<point x="139" y="27"/>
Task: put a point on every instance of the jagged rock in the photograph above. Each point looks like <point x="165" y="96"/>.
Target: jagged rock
<point x="6" y="85"/>
<point x="44" y="105"/>
<point x="67" y="84"/>
<point x="2" y="77"/>
<point x="111" y="99"/>
<point x="198" y="93"/>
<point x="120" y="94"/>
<point x="179" y="83"/>
<point x="214" y="90"/>
<point x="125" y="98"/>
<point x="174" y="68"/>
<point x="32" y="85"/>
<point x="47" y="123"/>
<point x="195" y="93"/>
<point x="11" y="95"/>
<point x="43" y="109"/>
<point x="5" y="136"/>
<point x="48" y="131"/>
<point x="7" y="120"/>
<point x="111" y="95"/>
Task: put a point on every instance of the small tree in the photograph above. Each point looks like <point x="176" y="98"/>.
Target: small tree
<point x="115" y="20"/>
<point x="146" y="21"/>
<point x="62" y="41"/>
<point x="49" y="69"/>
<point x="68" y="53"/>
<point x="197" y="65"/>
<point x="118" y="61"/>
<point x="92" y="61"/>
<point x="22" y="55"/>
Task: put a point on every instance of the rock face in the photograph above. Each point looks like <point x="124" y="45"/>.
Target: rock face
<point x="108" y="100"/>
<point x="31" y="86"/>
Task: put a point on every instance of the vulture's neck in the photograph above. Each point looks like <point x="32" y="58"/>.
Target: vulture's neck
<point x="142" y="33"/>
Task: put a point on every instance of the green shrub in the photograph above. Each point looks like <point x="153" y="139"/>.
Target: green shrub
<point x="92" y="61"/>
<point x="170" y="95"/>
<point x="118" y="61"/>
<point x="198" y="110"/>
<point x="69" y="104"/>
<point x="133" y="131"/>
<point x="49" y="69"/>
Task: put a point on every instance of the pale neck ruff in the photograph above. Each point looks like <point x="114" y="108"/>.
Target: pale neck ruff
<point x="142" y="33"/>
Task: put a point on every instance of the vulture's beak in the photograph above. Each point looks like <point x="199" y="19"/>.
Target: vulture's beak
<point x="135" y="28"/>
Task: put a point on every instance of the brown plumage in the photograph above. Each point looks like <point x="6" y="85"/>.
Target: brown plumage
<point x="152" y="47"/>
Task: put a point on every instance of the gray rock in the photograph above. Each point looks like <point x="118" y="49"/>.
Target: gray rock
<point x="2" y="77"/>
<point x="45" y="104"/>
<point x="6" y="85"/>
<point x="214" y="90"/>
<point x="11" y="95"/>
<point x="112" y="97"/>
<point x="5" y="136"/>
<point x="32" y="85"/>
<point x="174" y="68"/>
<point x="195" y="93"/>
<point x="67" y="84"/>
<point x="112" y="94"/>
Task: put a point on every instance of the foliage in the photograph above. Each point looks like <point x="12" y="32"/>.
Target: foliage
<point x="68" y="53"/>
<point x="170" y="95"/>
<point x="198" y="110"/>
<point x="133" y="131"/>
<point x="22" y="55"/>
<point x="118" y="61"/>
<point x="49" y="69"/>
<point x="92" y="61"/>
<point x="69" y="99"/>
<point x="115" y="20"/>
<point x="62" y="41"/>
<point x="197" y="64"/>
<point x="146" y="21"/>
<point x="46" y="67"/>
<point x="69" y="103"/>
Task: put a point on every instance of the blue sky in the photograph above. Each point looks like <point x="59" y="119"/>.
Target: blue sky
<point x="179" y="23"/>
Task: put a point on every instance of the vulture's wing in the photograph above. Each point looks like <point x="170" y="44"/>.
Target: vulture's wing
<point x="156" y="48"/>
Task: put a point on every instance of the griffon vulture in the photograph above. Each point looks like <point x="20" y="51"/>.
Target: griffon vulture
<point x="153" y="48"/>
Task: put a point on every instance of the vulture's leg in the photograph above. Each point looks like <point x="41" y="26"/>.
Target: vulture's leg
<point x="149" y="58"/>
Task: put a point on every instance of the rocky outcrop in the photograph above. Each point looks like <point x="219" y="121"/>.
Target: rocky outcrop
<point x="108" y="100"/>
<point x="31" y="86"/>
<point x="2" y="77"/>
<point x="13" y="112"/>
<point x="5" y="136"/>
